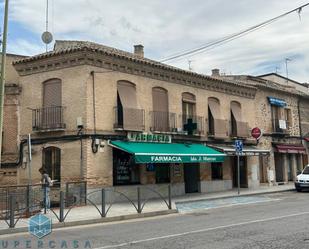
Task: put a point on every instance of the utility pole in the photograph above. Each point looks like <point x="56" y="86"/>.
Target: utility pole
<point x="3" y="62"/>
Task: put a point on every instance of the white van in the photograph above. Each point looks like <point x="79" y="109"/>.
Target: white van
<point x="302" y="180"/>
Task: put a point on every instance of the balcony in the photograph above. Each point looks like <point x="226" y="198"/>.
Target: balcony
<point x="239" y="129"/>
<point x="193" y="125"/>
<point x="280" y="126"/>
<point x="218" y="128"/>
<point x="163" y="121"/>
<point x="48" y="119"/>
<point x="129" y="119"/>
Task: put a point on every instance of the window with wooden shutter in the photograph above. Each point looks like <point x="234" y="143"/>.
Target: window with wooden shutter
<point x="160" y="117"/>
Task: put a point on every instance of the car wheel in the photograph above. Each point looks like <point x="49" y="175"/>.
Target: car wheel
<point x="298" y="189"/>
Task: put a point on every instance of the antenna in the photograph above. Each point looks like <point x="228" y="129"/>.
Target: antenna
<point x="286" y="69"/>
<point x="47" y="37"/>
<point x="277" y="69"/>
<point x="189" y="62"/>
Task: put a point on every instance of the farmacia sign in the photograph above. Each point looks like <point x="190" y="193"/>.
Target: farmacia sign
<point x="149" y="138"/>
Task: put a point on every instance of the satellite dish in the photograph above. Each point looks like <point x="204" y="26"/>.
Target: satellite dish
<point x="47" y="37"/>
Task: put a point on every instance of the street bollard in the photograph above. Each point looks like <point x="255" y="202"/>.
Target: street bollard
<point x="45" y="198"/>
<point x="139" y="209"/>
<point x="28" y="201"/>
<point x="103" y="212"/>
<point x="169" y="197"/>
<point x="12" y="211"/>
<point x="61" y="211"/>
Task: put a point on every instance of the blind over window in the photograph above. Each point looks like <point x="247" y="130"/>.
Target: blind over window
<point x="132" y="116"/>
<point x="188" y="97"/>
<point x="160" y="117"/>
<point x="236" y="110"/>
<point x="214" y="107"/>
<point x="159" y="99"/>
<point x="52" y="93"/>
<point x="127" y="94"/>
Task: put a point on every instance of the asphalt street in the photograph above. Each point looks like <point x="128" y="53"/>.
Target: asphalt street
<point x="281" y="221"/>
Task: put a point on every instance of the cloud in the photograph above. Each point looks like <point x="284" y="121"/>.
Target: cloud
<point x="167" y="27"/>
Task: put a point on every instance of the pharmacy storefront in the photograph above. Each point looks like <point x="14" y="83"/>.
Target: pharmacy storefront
<point x="154" y="159"/>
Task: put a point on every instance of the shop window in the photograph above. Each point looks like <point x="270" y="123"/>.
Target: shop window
<point x="52" y="162"/>
<point x="162" y="173"/>
<point x="125" y="171"/>
<point x="216" y="171"/>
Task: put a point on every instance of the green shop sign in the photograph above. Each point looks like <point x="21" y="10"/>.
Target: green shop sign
<point x="177" y="159"/>
<point x="149" y="138"/>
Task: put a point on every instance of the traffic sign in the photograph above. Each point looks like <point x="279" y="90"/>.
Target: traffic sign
<point x="256" y="133"/>
<point x="238" y="146"/>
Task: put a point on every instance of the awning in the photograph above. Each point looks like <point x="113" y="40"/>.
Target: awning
<point x="247" y="150"/>
<point x="169" y="152"/>
<point x="277" y="102"/>
<point x="291" y="148"/>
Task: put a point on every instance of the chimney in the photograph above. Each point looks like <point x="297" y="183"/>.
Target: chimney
<point x="139" y="50"/>
<point x="215" y="72"/>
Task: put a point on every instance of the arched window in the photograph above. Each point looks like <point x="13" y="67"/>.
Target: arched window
<point x="128" y="115"/>
<point x="51" y="161"/>
<point x="160" y="114"/>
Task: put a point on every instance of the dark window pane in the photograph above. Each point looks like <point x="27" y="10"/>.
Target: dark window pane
<point x="216" y="171"/>
<point x="162" y="173"/>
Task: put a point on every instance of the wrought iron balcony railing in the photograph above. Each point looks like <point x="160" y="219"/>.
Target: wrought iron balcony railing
<point x="130" y="119"/>
<point x="48" y="118"/>
<point x="193" y="125"/>
<point x="280" y="126"/>
<point x="217" y="128"/>
<point x="163" y="121"/>
<point x="239" y="129"/>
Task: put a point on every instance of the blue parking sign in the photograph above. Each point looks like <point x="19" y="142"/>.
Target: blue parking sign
<point x="238" y="146"/>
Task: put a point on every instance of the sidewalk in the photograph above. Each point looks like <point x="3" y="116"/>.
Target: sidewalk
<point x="123" y="211"/>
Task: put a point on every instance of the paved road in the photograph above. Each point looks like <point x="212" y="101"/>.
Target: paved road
<point x="280" y="222"/>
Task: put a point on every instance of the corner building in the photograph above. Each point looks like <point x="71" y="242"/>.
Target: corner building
<point x="117" y="119"/>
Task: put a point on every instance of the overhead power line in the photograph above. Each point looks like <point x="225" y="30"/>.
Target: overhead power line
<point x="231" y="37"/>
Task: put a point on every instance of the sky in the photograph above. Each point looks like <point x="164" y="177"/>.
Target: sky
<point x="169" y="27"/>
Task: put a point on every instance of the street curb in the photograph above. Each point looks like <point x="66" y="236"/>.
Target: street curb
<point x="94" y="221"/>
<point x="232" y="196"/>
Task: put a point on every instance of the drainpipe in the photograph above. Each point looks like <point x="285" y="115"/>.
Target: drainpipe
<point x="94" y="147"/>
<point x="299" y="119"/>
<point x="93" y="103"/>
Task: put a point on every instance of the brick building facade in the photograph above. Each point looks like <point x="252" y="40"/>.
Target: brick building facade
<point x="82" y="100"/>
